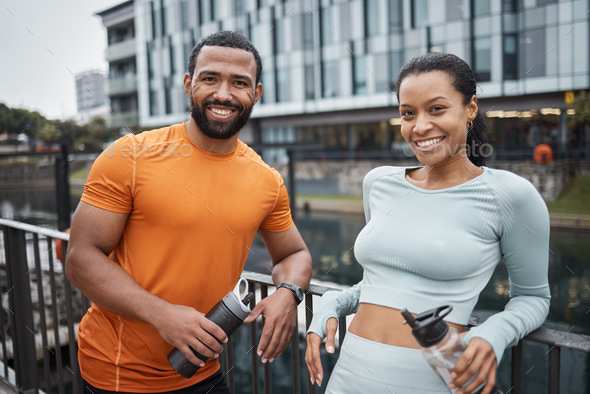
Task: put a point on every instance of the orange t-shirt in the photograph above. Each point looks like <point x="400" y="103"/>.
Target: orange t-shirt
<point x="193" y="216"/>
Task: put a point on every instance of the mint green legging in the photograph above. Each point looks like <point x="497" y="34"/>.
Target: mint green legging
<point x="366" y="366"/>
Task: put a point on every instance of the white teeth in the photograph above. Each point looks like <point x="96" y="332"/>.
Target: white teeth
<point x="220" y="111"/>
<point x="424" y="144"/>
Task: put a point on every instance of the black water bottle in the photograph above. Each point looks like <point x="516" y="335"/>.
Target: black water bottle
<point x="228" y="314"/>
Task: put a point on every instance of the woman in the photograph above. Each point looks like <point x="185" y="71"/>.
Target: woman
<point x="434" y="235"/>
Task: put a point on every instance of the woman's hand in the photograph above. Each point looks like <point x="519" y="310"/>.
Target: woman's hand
<point x="312" y="353"/>
<point x="477" y="360"/>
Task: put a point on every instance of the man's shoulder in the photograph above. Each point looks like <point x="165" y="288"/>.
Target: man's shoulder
<point x="254" y="159"/>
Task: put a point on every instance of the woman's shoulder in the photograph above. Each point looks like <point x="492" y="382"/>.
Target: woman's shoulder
<point x="508" y="179"/>
<point x="512" y="187"/>
<point x="379" y="172"/>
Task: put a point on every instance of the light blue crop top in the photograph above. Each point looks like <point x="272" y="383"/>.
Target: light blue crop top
<point x="421" y="249"/>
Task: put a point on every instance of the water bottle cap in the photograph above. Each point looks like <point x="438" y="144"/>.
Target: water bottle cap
<point x="429" y="327"/>
<point x="233" y="299"/>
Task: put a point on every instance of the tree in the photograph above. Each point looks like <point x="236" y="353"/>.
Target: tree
<point x="581" y="107"/>
<point x="581" y="116"/>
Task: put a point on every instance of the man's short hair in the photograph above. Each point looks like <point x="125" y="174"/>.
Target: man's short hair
<point x="229" y="39"/>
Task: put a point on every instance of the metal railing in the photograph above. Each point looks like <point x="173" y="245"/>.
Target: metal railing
<point x="39" y="322"/>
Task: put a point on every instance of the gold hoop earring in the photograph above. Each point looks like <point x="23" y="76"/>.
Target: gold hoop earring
<point x="470" y="125"/>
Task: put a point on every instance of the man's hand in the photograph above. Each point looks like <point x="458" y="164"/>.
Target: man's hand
<point x="312" y="353"/>
<point x="280" y="316"/>
<point x="477" y="360"/>
<point x="183" y="326"/>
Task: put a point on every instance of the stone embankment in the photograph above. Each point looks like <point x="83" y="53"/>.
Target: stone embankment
<point x="346" y="177"/>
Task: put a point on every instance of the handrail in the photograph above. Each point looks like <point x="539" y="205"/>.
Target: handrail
<point x="29" y="262"/>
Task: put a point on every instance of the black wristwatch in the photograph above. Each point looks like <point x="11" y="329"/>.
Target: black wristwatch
<point x="297" y="291"/>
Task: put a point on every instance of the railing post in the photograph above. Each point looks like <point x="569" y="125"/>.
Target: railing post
<point x="554" y="369"/>
<point x="19" y="294"/>
<point x="295" y="360"/>
<point x="292" y="199"/>
<point x="308" y="317"/>
<point x="517" y="369"/>
<point x="62" y="187"/>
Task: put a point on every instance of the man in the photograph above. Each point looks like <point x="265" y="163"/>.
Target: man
<point x="164" y="228"/>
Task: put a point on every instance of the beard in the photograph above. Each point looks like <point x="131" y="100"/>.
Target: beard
<point x="215" y="129"/>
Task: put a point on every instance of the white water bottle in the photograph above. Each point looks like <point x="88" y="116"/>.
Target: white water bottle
<point x="441" y="345"/>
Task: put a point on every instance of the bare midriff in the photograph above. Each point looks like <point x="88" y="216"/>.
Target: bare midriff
<point x="385" y="325"/>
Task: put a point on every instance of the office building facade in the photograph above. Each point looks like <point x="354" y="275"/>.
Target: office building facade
<point x="121" y="86"/>
<point x="90" y="96"/>
<point x="329" y="66"/>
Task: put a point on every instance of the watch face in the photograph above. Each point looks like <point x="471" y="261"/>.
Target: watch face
<point x="299" y="293"/>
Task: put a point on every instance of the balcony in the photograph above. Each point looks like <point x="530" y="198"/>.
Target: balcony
<point x="50" y="309"/>
<point x="122" y="120"/>
<point x="120" y="50"/>
<point x="119" y="86"/>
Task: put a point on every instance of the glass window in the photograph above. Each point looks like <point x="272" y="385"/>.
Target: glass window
<point x="382" y="73"/>
<point x="371" y="18"/>
<point x="309" y="83"/>
<point x="541" y="2"/>
<point x="282" y="85"/>
<point x="168" y="100"/>
<point x="173" y="65"/>
<point x="510" y="58"/>
<point x="279" y="35"/>
<point x="307" y="31"/>
<point x="454" y="10"/>
<point x="164" y="24"/>
<point x="483" y="59"/>
<point x="395" y="64"/>
<point x="126" y="104"/>
<point x="216" y="10"/>
<point x="157" y="23"/>
<point x="345" y="21"/>
<point x="183" y="15"/>
<point x="239" y="7"/>
<point x="153" y="103"/>
<point x="395" y="16"/>
<point x="480" y="7"/>
<point x="188" y="48"/>
<point x="360" y="75"/>
<point x="532" y="53"/>
<point x="150" y="61"/>
<point x="269" y="86"/>
<point x="509" y="5"/>
<point x="329" y="79"/>
<point x="419" y="13"/>
<point x="327" y="29"/>
<point x="205" y="11"/>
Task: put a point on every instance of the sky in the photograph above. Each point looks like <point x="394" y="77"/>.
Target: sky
<point x="43" y="44"/>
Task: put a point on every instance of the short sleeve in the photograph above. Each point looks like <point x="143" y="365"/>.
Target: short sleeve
<point x="279" y="218"/>
<point x="111" y="179"/>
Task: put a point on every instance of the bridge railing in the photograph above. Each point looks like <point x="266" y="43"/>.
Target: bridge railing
<point x="41" y="311"/>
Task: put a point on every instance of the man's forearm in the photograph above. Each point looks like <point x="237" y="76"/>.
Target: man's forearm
<point x="295" y="269"/>
<point x="109" y="286"/>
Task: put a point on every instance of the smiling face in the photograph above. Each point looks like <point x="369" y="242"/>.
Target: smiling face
<point x="434" y="117"/>
<point x="222" y="90"/>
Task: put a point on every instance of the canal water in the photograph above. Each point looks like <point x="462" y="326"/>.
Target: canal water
<point x="330" y="238"/>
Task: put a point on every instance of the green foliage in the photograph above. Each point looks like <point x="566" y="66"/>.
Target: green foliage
<point x="574" y="198"/>
<point x="91" y="136"/>
<point x="581" y="106"/>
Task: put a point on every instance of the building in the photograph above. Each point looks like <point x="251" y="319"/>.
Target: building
<point x="329" y="66"/>
<point x="121" y="86"/>
<point x="90" y="96"/>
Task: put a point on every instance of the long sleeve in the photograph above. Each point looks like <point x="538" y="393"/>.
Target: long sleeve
<point x="334" y="304"/>
<point x="525" y="247"/>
